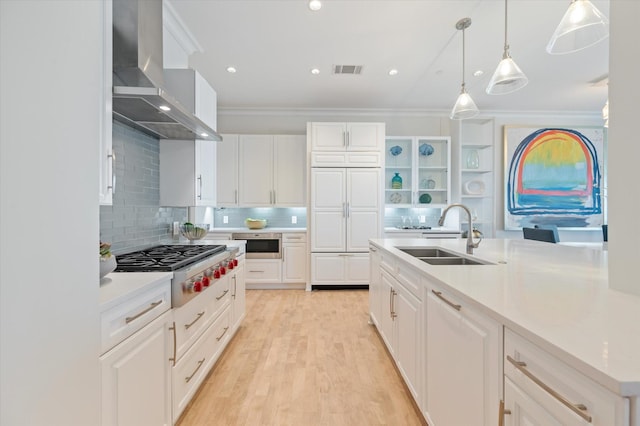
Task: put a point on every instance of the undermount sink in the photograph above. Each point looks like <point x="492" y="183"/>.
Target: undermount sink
<point x="451" y="261"/>
<point x="428" y="252"/>
<point x="438" y="256"/>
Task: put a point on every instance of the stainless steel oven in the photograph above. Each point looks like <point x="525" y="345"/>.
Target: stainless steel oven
<point x="261" y="245"/>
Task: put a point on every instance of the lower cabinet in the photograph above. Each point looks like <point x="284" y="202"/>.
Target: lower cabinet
<point x="263" y="271"/>
<point x="463" y="362"/>
<point x="375" y="286"/>
<point x="294" y="258"/>
<point x="136" y="377"/>
<point x="339" y="268"/>
<point x="399" y="321"/>
<point x="541" y="390"/>
<point x="238" y="299"/>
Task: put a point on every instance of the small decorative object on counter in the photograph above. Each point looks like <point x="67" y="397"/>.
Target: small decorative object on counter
<point x="473" y="159"/>
<point x="396" y="150"/>
<point x="426" y="149"/>
<point x="255" y="223"/>
<point x="396" y="181"/>
<point x="107" y="260"/>
<point x="194" y="232"/>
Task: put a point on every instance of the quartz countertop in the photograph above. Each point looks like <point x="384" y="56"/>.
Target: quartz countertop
<point x="433" y="230"/>
<point x="556" y="296"/>
<point x="267" y="229"/>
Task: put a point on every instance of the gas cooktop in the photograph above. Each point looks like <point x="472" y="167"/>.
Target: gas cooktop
<point x="165" y="257"/>
<point x="414" y="227"/>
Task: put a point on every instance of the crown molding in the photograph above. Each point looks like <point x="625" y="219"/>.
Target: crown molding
<point x="177" y="28"/>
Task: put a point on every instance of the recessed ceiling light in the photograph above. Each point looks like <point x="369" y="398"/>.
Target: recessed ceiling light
<point x="315" y="5"/>
<point x="315" y="71"/>
<point x="231" y="70"/>
<point x="478" y="73"/>
<point x="165" y="108"/>
<point x="393" y="72"/>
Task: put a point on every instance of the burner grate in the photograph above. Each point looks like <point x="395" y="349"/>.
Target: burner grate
<point x="165" y="257"/>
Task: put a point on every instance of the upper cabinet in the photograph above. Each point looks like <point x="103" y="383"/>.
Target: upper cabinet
<point x="261" y="171"/>
<point x="106" y="166"/>
<point x="187" y="173"/>
<point x="346" y="136"/>
<point x="477" y="174"/>
<point x="417" y="171"/>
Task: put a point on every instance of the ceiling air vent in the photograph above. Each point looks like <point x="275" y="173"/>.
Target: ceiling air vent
<point x="347" y="69"/>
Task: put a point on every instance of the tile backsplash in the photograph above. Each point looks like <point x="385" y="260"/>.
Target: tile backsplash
<point x="136" y="220"/>
<point x="276" y="217"/>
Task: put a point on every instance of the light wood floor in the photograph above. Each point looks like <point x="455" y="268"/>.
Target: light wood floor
<point x="304" y="358"/>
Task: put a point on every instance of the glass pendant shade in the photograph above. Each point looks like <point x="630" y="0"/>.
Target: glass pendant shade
<point x="507" y="78"/>
<point x="605" y="114"/>
<point x="464" y="107"/>
<point x="581" y="26"/>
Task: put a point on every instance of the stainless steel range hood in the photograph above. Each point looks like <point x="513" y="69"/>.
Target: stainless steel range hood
<point x="140" y="98"/>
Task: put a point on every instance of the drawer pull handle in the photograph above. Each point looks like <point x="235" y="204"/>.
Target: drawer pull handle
<point x="138" y="315"/>
<point x="579" y="409"/>
<point x="223" y="333"/>
<point x="200" y="314"/>
<point x="441" y="297"/>
<point x="251" y="270"/>
<point x="502" y="412"/>
<point x="222" y="295"/>
<point x="173" y="328"/>
<point x="186" y="379"/>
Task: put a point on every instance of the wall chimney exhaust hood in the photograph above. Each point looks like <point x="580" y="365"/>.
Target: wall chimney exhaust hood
<point x="140" y="98"/>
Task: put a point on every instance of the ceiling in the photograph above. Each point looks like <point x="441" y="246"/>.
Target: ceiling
<point x="274" y="44"/>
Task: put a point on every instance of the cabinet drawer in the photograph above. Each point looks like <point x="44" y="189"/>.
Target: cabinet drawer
<point x="194" y="317"/>
<point x="549" y="381"/>
<point x="263" y="271"/>
<point x="410" y="279"/>
<point x="124" y="319"/>
<point x="191" y="370"/>
<point x="342" y="159"/>
<point x="294" y="237"/>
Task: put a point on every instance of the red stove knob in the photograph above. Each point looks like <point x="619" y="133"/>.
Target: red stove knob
<point x="230" y="264"/>
<point x="235" y="262"/>
<point x="206" y="281"/>
<point x="216" y="273"/>
<point x="222" y="270"/>
<point x="197" y="286"/>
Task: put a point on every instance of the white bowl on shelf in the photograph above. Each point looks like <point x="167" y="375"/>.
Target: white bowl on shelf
<point x="474" y="187"/>
<point x="107" y="265"/>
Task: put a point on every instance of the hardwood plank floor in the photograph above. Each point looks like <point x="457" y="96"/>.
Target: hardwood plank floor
<point x="304" y="358"/>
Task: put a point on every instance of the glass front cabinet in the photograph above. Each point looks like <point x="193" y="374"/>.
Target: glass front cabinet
<point x="417" y="171"/>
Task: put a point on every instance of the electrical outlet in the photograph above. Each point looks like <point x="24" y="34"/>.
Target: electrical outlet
<point x="294" y="219"/>
<point x="225" y="219"/>
<point x="422" y="219"/>
<point x="176" y="229"/>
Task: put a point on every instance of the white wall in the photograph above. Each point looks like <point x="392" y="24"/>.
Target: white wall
<point x="624" y="146"/>
<point x="50" y="80"/>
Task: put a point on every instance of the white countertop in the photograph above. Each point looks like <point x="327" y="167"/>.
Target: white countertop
<point x="267" y="229"/>
<point x="117" y="286"/>
<point x="555" y="295"/>
<point x="434" y="230"/>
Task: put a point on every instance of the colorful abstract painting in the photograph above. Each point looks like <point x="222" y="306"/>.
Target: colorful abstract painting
<point x="553" y="177"/>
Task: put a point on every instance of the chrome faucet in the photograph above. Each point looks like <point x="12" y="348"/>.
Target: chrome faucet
<point x="470" y="244"/>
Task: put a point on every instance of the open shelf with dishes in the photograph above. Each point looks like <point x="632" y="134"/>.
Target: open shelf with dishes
<point x="417" y="171"/>
<point x="477" y="174"/>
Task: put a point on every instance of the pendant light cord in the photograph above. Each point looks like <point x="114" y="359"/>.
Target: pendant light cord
<point x="506" y="44"/>
<point x="463" y="58"/>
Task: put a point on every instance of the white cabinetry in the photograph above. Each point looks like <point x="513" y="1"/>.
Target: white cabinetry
<point x="194" y="92"/>
<point x="238" y="296"/>
<point x="137" y="350"/>
<point x="187" y="173"/>
<point x="294" y="257"/>
<point x="397" y="308"/>
<point x="375" y="286"/>
<point x="261" y="171"/>
<point x="345" y="208"/>
<point x="542" y="390"/>
<point x="463" y="362"/>
<point x="106" y="166"/>
<point x="477" y="173"/>
<point x="264" y="271"/>
<point x="227" y="171"/>
<point x="346" y="136"/>
<point x="345" y="213"/>
<point x="423" y="163"/>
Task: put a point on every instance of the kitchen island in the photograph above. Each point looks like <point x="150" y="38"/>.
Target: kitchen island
<point x="552" y="297"/>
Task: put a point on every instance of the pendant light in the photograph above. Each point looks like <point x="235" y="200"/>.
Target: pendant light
<point x="605" y="114"/>
<point x="508" y="77"/>
<point x="581" y="26"/>
<point x="464" y="107"/>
